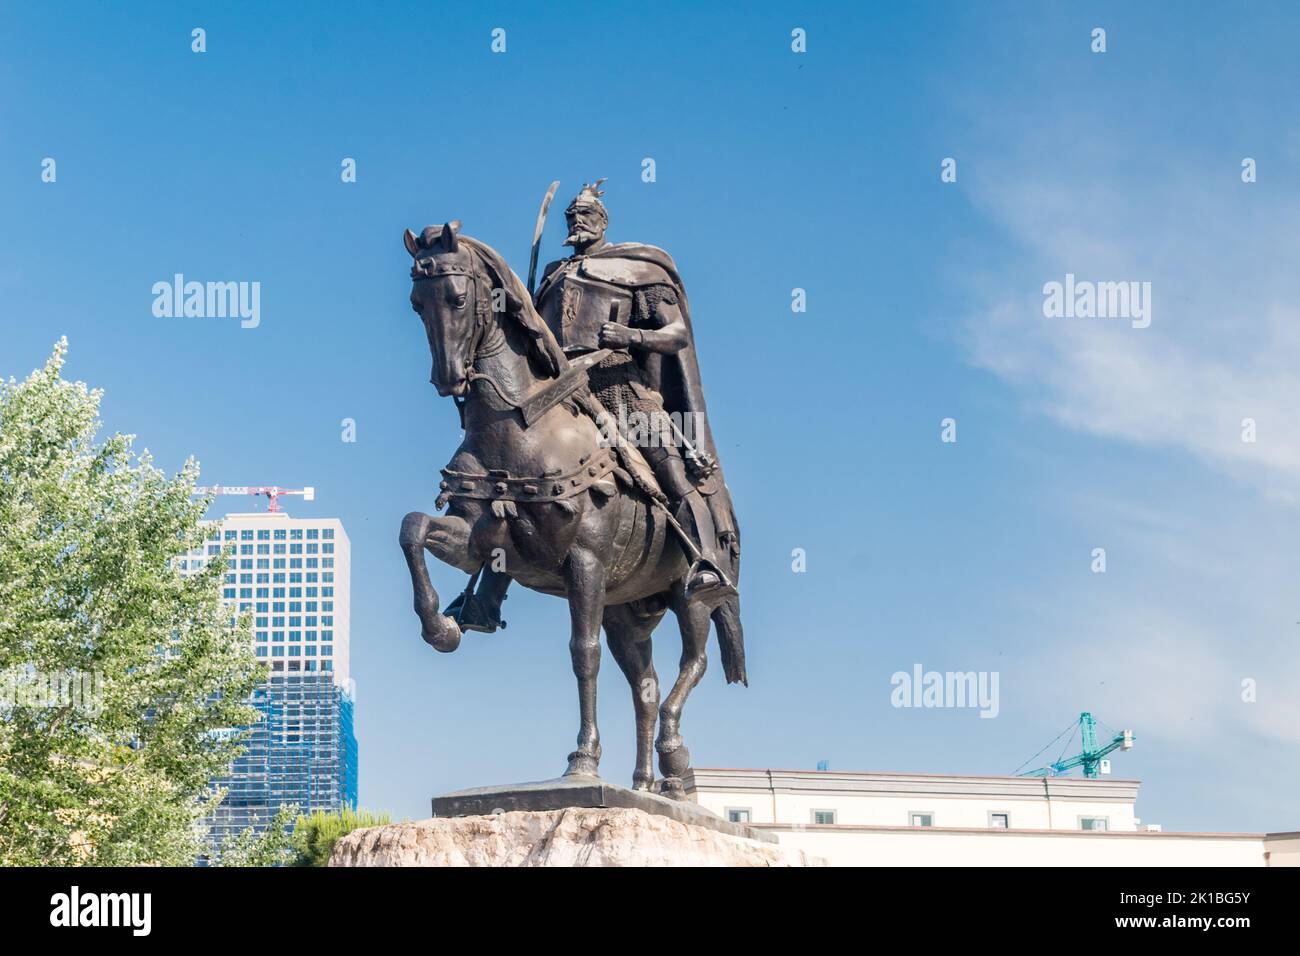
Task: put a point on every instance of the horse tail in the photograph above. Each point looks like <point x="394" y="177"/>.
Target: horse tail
<point x="731" y="640"/>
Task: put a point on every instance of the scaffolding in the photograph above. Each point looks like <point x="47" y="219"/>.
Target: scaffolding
<point x="303" y="751"/>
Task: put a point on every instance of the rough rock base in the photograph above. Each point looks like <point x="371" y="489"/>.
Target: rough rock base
<point x="568" y="837"/>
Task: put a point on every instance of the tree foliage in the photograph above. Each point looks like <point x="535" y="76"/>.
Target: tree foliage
<point x="274" y="846"/>
<point x="314" y="835"/>
<point x="89" y="591"/>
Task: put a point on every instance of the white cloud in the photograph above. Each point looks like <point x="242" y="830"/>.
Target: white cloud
<point x="1224" y="343"/>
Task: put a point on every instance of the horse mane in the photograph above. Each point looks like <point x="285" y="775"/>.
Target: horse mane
<point x="519" y="307"/>
<point x="542" y="346"/>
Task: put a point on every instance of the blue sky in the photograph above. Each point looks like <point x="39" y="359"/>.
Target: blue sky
<point x="774" y="171"/>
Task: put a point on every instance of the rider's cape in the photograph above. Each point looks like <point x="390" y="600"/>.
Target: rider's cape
<point x="635" y="265"/>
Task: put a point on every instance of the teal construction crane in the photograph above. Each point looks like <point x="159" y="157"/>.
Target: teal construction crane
<point x="1091" y="757"/>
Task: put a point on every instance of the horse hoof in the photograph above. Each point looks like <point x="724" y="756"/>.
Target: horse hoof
<point x="444" y="636"/>
<point x="643" y="782"/>
<point x="582" y="765"/>
<point x="672" y="788"/>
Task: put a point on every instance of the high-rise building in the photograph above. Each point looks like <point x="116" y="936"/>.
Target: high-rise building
<point x="292" y="576"/>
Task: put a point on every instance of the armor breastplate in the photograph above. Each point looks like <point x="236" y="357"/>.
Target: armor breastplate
<point x="575" y="306"/>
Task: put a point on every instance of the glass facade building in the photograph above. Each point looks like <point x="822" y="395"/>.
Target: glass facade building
<point x="291" y="575"/>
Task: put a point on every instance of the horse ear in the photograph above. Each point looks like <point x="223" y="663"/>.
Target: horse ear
<point x="412" y="243"/>
<point x="449" y="236"/>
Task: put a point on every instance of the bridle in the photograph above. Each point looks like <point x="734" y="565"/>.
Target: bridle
<point x="429" y="267"/>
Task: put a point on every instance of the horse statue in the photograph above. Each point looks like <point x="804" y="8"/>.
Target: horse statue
<point x="536" y="483"/>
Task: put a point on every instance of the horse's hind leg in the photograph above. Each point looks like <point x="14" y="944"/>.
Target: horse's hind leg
<point x="585" y="583"/>
<point x="628" y="635"/>
<point x="674" y="758"/>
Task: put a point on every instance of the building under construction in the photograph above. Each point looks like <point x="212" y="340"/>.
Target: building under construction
<point x="292" y="576"/>
<point x="303" y="752"/>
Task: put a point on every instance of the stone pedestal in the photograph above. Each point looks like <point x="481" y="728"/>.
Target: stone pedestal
<point x="586" y="793"/>
<point x="572" y="836"/>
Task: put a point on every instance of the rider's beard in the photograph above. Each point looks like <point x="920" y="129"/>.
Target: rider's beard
<point x="580" y="236"/>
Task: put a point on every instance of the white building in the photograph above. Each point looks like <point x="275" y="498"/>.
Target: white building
<point x="293" y="576"/>
<point x="915" y="819"/>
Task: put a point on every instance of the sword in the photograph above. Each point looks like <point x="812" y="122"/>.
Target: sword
<point x="537" y="234"/>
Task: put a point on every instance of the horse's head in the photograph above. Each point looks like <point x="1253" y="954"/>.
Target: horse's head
<point x="445" y="293"/>
<point x="460" y="287"/>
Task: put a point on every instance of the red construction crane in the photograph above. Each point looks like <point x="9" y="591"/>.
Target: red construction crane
<point x="272" y="492"/>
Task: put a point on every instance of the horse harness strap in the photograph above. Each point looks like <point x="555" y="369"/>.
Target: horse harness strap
<point x="497" y="485"/>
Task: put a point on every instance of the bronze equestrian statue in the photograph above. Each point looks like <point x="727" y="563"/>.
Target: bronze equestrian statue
<point x="549" y="489"/>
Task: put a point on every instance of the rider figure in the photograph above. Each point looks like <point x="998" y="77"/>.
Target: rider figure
<point x="628" y="298"/>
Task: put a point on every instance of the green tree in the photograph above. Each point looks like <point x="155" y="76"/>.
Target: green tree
<point x="274" y="846"/>
<point x="89" y="592"/>
<point x="314" y="836"/>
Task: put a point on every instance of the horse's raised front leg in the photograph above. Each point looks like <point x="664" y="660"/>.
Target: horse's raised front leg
<point x="447" y="537"/>
<point x="674" y="758"/>
<point x="629" y="641"/>
<point x="585" y="581"/>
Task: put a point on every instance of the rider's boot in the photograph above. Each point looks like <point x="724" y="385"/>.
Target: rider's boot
<point x="482" y="612"/>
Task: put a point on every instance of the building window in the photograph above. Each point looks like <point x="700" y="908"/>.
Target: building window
<point x="738" y="814"/>
<point x="920" y="819"/>
<point x="1094" y="823"/>
<point x="1000" y="821"/>
<point x="823" y="817"/>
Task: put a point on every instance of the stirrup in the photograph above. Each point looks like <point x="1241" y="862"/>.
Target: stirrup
<point x="710" y="594"/>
